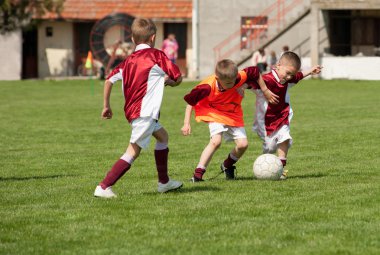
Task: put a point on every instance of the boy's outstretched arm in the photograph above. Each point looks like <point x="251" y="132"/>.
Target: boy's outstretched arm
<point x="186" y="129"/>
<point x="269" y="95"/>
<point x="312" y="71"/>
<point x="107" y="111"/>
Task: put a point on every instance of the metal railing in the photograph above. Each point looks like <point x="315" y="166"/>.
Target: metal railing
<point x="275" y="15"/>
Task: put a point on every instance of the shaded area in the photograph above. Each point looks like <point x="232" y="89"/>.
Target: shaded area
<point x="28" y="178"/>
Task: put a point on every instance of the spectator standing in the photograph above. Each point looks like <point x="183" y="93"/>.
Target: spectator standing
<point x="170" y="48"/>
<point x="272" y="60"/>
<point x="259" y="59"/>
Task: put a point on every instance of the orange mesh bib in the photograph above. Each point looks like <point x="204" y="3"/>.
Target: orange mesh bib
<point x="221" y="107"/>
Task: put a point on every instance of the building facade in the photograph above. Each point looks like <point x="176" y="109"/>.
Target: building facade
<point x="328" y="32"/>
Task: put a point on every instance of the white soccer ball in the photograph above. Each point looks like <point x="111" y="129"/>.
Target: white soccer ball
<point x="267" y="167"/>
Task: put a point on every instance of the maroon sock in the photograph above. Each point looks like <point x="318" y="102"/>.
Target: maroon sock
<point x="229" y="162"/>
<point x="116" y="172"/>
<point x="283" y="161"/>
<point x="199" y="172"/>
<point x="161" y="157"/>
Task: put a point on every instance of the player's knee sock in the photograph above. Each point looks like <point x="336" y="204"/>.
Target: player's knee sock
<point x="283" y="161"/>
<point x="117" y="171"/>
<point x="199" y="172"/>
<point x="230" y="161"/>
<point x="161" y="157"/>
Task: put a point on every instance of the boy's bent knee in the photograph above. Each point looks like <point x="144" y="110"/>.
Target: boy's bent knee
<point x="242" y="144"/>
<point x="161" y="136"/>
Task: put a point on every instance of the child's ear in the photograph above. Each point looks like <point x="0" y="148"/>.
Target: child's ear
<point x="153" y="38"/>
<point x="133" y="40"/>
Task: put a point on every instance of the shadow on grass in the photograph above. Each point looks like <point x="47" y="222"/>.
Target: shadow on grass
<point x="28" y="178"/>
<point x="245" y="178"/>
<point x="306" y="176"/>
<point x="187" y="188"/>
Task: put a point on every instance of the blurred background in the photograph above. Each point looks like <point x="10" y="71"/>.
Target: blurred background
<point x="51" y="39"/>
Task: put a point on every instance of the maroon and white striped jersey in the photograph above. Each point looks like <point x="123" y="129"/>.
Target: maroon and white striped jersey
<point x="271" y="117"/>
<point x="143" y="76"/>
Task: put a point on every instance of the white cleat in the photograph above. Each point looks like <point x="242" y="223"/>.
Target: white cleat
<point x="284" y="175"/>
<point x="170" y="185"/>
<point x="105" y="193"/>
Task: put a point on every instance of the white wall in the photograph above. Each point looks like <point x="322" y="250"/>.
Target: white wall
<point x="11" y="52"/>
<point x="55" y="53"/>
<point x="352" y="68"/>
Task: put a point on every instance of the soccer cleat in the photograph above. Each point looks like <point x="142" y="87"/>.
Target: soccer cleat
<point x="284" y="175"/>
<point x="195" y="179"/>
<point x="105" y="193"/>
<point x="229" y="172"/>
<point x="169" y="186"/>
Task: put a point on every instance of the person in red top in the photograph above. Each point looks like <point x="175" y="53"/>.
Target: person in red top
<point x="217" y="101"/>
<point x="272" y="121"/>
<point x="144" y="74"/>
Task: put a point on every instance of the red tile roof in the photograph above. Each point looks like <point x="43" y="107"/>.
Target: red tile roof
<point x="97" y="9"/>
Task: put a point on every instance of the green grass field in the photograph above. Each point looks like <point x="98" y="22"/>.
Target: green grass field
<point x="55" y="149"/>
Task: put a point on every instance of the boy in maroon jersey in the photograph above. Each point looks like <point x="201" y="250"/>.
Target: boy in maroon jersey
<point x="143" y="76"/>
<point x="272" y="121"/>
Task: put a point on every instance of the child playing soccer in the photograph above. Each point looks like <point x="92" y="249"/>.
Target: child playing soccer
<point x="272" y="122"/>
<point x="143" y="76"/>
<point x="217" y="101"/>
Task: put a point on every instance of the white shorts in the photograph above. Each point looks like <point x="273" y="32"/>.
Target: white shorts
<point x="229" y="133"/>
<point x="142" y="130"/>
<point x="271" y="142"/>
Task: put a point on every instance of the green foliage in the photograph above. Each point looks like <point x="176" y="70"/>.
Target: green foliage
<point x="17" y="13"/>
<point x="55" y="149"/>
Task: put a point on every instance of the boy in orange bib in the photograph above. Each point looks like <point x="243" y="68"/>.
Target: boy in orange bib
<point x="217" y="101"/>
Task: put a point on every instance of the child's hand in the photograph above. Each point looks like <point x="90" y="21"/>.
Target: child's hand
<point x="107" y="113"/>
<point x="270" y="96"/>
<point x="241" y="89"/>
<point x="186" y="129"/>
<point x="170" y="82"/>
<point x="316" y="70"/>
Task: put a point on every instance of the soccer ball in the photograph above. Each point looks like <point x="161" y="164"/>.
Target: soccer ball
<point x="267" y="167"/>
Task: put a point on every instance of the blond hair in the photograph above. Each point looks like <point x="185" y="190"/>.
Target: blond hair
<point x="142" y="30"/>
<point x="226" y="69"/>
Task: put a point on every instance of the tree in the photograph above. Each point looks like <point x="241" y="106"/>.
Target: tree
<point x="17" y="13"/>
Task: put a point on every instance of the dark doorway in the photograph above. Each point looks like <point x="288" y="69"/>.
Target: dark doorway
<point x="180" y="31"/>
<point x="340" y="32"/>
<point x="365" y="32"/>
<point x="29" y="53"/>
<point x="81" y="42"/>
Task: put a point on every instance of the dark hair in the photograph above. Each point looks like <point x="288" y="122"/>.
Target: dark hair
<point x="226" y="69"/>
<point x="291" y="57"/>
<point x="142" y="30"/>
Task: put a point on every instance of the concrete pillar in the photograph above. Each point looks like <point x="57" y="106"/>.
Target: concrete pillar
<point x="314" y="35"/>
<point x="194" y="72"/>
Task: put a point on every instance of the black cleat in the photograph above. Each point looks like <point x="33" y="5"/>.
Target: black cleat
<point x="229" y="172"/>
